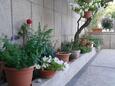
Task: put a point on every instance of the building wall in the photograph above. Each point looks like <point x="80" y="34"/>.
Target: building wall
<point x="57" y="14"/>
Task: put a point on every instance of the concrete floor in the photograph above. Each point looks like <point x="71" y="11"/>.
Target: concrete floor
<point x="100" y="72"/>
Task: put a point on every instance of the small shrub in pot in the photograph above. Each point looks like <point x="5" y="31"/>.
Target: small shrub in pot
<point x="65" y="51"/>
<point x="48" y="66"/>
<point x="75" y="53"/>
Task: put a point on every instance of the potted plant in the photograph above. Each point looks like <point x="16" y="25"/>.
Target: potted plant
<point x="49" y="65"/>
<point x="65" y="51"/>
<point x="86" y="8"/>
<point x="19" y="62"/>
<point x="75" y="53"/>
<point x="40" y="42"/>
<point x="80" y="7"/>
<point x="85" y="49"/>
<point x="85" y="45"/>
<point x="95" y="21"/>
<point x="18" y="65"/>
<point x="107" y="23"/>
<point x="97" y="41"/>
<point x="96" y="29"/>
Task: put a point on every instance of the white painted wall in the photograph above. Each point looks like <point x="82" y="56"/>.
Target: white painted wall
<point x="57" y="14"/>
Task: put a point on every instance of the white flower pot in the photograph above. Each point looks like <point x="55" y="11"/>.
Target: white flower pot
<point x="74" y="55"/>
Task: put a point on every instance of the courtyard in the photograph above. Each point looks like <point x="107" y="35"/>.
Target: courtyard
<point x="57" y="42"/>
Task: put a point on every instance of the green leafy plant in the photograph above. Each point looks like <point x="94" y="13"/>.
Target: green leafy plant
<point x="19" y="57"/>
<point x="107" y="23"/>
<point x="66" y="47"/>
<point x="83" y="6"/>
<point x="85" y="49"/>
<point x="90" y="9"/>
<point x="50" y="63"/>
<point x="75" y="46"/>
<point x="97" y="41"/>
<point x="39" y="44"/>
<point x="15" y="56"/>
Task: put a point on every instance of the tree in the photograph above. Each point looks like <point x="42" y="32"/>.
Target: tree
<point x="87" y="9"/>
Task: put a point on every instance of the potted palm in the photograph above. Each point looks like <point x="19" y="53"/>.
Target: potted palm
<point x="65" y="51"/>
<point x="48" y="66"/>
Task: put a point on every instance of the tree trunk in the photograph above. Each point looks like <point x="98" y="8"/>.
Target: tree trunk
<point x="86" y="23"/>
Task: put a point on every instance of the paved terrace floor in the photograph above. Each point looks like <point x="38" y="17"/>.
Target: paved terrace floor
<point x="100" y="72"/>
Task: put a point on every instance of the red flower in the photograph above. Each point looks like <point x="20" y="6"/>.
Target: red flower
<point x="29" y="21"/>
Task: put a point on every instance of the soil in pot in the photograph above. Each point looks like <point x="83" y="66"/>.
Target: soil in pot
<point x="19" y="77"/>
<point x="46" y="73"/>
<point x="74" y="55"/>
<point x="63" y="56"/>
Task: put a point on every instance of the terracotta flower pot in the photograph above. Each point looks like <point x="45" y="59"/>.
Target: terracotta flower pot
<point x="1" y="66"/>
<point x="97" y="30"/>
<point x="46" y="73"/>
<point x="87" y="14"/>
<point x="74" y="55"/>
<point x="63" y="56"/>
<point x="19" y="78"/>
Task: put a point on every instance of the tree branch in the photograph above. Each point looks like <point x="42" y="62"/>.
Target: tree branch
<point x="85" y="25"/>
<point x="78" y="22"/>
<point x="87" y="22"/>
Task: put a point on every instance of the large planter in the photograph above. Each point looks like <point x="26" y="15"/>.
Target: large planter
<point x="74" y="55"/>
<point x="19" y="77"/>
<point x="63" y="56"/>
<point x="87" y="14"/>
<point x="46" y="73"/>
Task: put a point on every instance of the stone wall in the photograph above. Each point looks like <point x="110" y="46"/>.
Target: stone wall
<point x="57" y="14"/>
